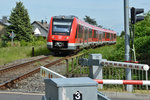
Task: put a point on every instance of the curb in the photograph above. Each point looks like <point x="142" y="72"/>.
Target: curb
<point x="127" y="95"/>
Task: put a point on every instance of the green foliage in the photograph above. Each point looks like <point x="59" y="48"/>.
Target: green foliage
<point x="9" y="54"/>
<point x="122" y="34"/>
<point x="37" y="42"/>
<point x="142" y="39"/>
<point x="40" y="50"/>
<point x="110" y="52"/>
<point x="119" y="51"/>
<point x="3" y="44"/>
<point x="20" y="23"/>
<point x="143" y="28"/>
<point x="90" y="20"/>
<point x="142" y="46"/>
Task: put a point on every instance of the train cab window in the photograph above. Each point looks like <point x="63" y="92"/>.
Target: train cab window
<point x="61" y="27"/>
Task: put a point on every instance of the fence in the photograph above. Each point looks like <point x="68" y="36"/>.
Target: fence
<point x="138" y="73"/>
<point x="73" y="69"/>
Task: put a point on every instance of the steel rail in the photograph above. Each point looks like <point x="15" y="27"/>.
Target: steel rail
<point x="10" y="83"/>
<point x="21" y="65"/>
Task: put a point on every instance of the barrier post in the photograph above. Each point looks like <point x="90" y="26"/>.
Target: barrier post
<point x="96" y="72"/>
<point x="146" y="80"/>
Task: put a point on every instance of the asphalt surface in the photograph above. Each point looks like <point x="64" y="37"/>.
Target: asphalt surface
<point x="19" y="97"/>
<point x="33" y="96"/>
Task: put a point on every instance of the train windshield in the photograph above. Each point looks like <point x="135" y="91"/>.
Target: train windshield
<point x="61" y="27"/>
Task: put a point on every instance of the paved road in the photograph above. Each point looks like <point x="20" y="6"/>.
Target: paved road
<point x="30" y="96"/>
<point x="19" y="97"/>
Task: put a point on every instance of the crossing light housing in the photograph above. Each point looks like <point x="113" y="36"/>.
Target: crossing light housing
<point x="134" y="17"/>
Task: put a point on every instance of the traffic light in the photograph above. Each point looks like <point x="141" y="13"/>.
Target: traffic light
<point x="134" y="12"/>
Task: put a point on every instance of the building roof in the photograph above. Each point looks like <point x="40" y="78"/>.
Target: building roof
<point x="44" y="25"/>
<point x="4" y="21"/>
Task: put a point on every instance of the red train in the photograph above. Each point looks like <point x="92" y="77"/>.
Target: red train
<point x="68" y="33"/>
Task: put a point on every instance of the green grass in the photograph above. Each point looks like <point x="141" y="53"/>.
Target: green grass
<point x="9" y="54"/>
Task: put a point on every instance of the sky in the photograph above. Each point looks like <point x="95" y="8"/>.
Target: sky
<point x="108" y="13"/>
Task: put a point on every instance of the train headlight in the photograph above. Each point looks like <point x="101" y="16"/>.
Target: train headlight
<point x="67" y="37"/>
<point x="52" y="37"/>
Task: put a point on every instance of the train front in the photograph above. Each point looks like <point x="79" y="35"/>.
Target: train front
<point x="61" y="36"/>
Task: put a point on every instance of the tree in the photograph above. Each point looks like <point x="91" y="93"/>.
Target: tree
<point x="143" y="28"/>
<point x="142" y="39"/>
<point x="90" y="20"/>
<point x="20" y="23"/>
<point x="122" y="34"/>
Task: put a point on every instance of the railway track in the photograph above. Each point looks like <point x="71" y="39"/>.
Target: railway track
<point x="11" y="75"/>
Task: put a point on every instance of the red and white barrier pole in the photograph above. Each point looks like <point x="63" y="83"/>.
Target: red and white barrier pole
<point x="123" y="82"/>
<point x="126" y="65"/>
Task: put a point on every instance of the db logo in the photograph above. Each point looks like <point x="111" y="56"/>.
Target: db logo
<point x="77" y="96"/>
<point x="59" y="37"/>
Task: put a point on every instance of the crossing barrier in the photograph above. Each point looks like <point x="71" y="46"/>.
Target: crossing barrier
<point x="96" y="65"/>
<point x="125" y="65"/>
<point x="123" y="82"/>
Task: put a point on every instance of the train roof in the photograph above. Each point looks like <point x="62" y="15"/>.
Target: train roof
<point x="94" y="27"/>
<point x="83" y="23"/>
<point x="65" y="17"/>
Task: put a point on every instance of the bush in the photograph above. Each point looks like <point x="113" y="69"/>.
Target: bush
<point x="3" y="44"/>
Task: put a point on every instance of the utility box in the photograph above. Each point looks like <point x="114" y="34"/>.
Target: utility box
<point x="70" y="89"/>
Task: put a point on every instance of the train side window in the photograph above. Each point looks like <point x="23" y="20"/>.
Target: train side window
<point x="80" y="33"/>
<point x="86" y="32"/>
<point x="114" y="36"/>
<point x="103" y="35"/>
<point x="100" y="35"/>
<point x="90" y="33"/>
<point x="95" y="34"/>
<point x="111" y="36"/>
<point x="77" y="31"/>
<point x="107" y="35"/>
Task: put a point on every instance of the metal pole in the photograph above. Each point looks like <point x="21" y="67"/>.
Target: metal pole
<point x="12" y="38"/>
<point x="129" y="88"/>
<point x="146" y="80"/>
<point x="96" y="72"/>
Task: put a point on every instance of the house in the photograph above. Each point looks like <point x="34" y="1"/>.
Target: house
<point x="3" y="24"/>
<point x="40" y="28"/>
